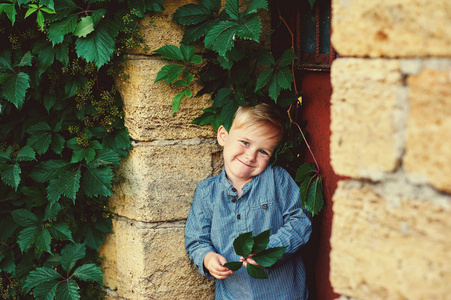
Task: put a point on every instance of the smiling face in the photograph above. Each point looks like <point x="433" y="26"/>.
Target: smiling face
<point x="247" y="151"/>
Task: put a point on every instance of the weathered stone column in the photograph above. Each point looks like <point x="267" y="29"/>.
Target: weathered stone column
<point x="391" y="108"/>
<point x="145" y="257"/>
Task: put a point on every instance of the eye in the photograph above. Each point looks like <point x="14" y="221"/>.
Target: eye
<point x="263" y="152"/>
<point x="245" y="143"/>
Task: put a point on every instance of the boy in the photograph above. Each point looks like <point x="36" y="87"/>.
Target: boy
<point x="249" y="195"/>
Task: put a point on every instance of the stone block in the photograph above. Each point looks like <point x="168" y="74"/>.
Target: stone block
<point x="152" y="263"/>
<point x="148" y="106"/>
<point x="384" y="249"/>
<point x="108" y="254"/>
<point x="428" y="144"/>
<point x="159" y="180"/>
<point x="368" y="111"/>
<point x="391" y="28"/>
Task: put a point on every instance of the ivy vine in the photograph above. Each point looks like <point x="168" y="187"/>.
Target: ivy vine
<point x="62" y="137"/>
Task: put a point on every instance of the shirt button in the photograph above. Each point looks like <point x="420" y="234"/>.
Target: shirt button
<point x="265" y="206"/>
<point x="234" y="200"/>
<point x="234" y="190"/>
<point x="238" y="216"/>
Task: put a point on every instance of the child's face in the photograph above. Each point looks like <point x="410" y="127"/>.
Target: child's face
<point x="247" y="150"/>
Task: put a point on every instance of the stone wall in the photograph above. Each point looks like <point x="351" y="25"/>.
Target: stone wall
<point x="391" y="134"/>
<point x="145" y="258"/>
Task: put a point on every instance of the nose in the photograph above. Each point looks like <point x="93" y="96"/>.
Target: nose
<point x="251" y="155"/>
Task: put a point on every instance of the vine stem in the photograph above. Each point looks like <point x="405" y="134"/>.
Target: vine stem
<point x="305" y="140"/>
<point x="292" y="48"/>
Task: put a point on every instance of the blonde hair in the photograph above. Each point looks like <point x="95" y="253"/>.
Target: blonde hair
<point x="261" y="114"/>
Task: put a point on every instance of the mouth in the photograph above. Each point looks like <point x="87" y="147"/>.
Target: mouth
<point x="247" y="165"/>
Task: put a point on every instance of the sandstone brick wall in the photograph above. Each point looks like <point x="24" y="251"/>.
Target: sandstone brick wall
<point x="391" y="135"/>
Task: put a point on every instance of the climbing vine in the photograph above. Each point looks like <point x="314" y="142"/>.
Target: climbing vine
<point x="62" y="137"/>
<point x="237" y="69"/>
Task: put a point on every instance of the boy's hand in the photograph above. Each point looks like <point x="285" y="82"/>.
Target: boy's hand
<point x="214" y="263"/>
<point x="249" y="259"/>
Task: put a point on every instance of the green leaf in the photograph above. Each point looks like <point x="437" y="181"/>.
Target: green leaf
<point x="68" y="290"/>
<point x="261" y="241"/>
<point x="84" y="27"/>
<point x="98" y="47"/>
<point x="177" y="100"/>
<point x="284" y="78"/>
<point x="187" y="52"/>
<point x="212" y="5"/>
<point x="264" y="78"/>
<point x="191" y="14"/>
<point x="315" y="201"/>
<point x="39" y="276"/>
<point x="62" y="52"/>
<point x="10" y="10"/>
<point x="40" y="137"/>
<point x="68" y="185"/>
<point x="194" y="33"/>
<point x="251" y="29"/>
<point x="265" y="58"/>
<point x="171" y="52"/>
<point x="40" y="19"/>
<point x="93" y="237"/>
<point x="256" y="272"/>
<point x="243" y="244"/>
<point x="49" y="3"/>
<point x="304" y="187"/>
<point x="233" y="265"/>
<point x="43" y="239"/>
<point x="89" y="272"/>
<point x="227" y="114"/>
<point x="57" y="143"/>
<point x="169" y="73"/>
<point x="232" y="7"/>
<point x="15" y="87"/>
<point x="58" y="30"/>
<point x="47" y="170"/>
<point x="61" y="231"/>
<point x="287" y="58"/>
<point x="46" y="290"/>
<point x="222" y="97"/>
<point x="87" y="153"/>
<point x="269" y="256"/>
<point x="46" y="57"/>
<point x="304" y="171"/>
<point x="105" y="157"/>
<point x="195" y="59"/>
<point x="27" y="237"/>
<point x="221" y="37"/>
<point x="97" y="182"/>
<point x="311" y="2"/>
<point x="24" y="217"/>
<point x="26" y="154"/>
<point x="26" y="60"/>
<point x="255" y="5"/>
<point x="10" y="175"/>
<point x="273" y="88"/>
<point x="71" y="254"/>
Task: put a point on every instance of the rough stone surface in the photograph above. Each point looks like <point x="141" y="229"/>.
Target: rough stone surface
<point x="148" y="106"/>
<point x="158" y="181"/>
<point x="384" y="249"/>
<point x="108" y="253"/>
<point x="368" y="111"/>
<point x="152" y="263"/>
<point x="392" y="28"/>
<point x="428" y="144"/>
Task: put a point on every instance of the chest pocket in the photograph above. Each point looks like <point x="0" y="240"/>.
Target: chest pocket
<point x="264" y="215"/>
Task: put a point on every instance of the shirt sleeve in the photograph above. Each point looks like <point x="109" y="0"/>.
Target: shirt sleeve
<point x="297" y="226"/>
<point x="197" y="231"/>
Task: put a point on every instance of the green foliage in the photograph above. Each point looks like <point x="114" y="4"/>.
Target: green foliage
<point x="311" y="188"/>
<point x="254" y="247"/>
<point x="62" y="137"/>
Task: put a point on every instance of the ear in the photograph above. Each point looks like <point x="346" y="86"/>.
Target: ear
<point x="222" y="135"/>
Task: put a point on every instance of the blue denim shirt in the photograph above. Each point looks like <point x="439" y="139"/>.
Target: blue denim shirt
<point x="218" y="216"/>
